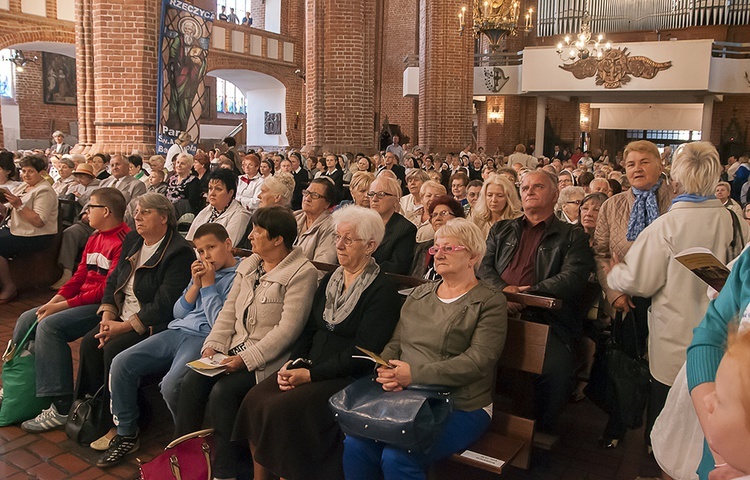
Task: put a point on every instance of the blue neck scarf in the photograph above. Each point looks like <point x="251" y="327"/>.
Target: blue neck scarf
<point x="645" y="210"/>
<point x="692" y="198"/>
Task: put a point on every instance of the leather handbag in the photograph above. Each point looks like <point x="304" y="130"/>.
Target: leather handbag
<point x="186" y="458"/>
<point x="628" y="375"/>
<point x="411" y="419"/>
<point x="88" y="419"/>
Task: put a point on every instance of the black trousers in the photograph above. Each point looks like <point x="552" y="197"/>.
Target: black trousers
<point x="224" y="394"/>
<point x="553" y="387"/>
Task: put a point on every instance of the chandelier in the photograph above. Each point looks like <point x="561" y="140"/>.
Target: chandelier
<point x="21" y="61"/>
<point x="496" y="19"/>
<point x="584" y="46"/>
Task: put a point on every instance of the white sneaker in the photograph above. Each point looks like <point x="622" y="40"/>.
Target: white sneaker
<point x="48" y="420"/>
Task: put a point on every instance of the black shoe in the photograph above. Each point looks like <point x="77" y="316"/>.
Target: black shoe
<point x="119" y="447"/>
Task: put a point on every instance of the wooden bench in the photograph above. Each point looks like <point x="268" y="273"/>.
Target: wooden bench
<point x="38" y="269"/>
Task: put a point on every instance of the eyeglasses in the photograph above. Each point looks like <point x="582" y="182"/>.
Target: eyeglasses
<point x="433" y="250"/>
<point x="91" y="205"/>
<point x="380" y="195"/>
<point x="574" y="202"/>
<point x="347" y="241"/>
<point x="443" y="213"/>
<point x="313" y="195"/>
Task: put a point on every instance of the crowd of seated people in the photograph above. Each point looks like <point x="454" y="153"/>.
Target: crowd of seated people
<point x="588" y="229"/>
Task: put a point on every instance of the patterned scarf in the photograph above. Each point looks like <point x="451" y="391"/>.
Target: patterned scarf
<point x="339" y="302"/>
<point x="645" y="210"/>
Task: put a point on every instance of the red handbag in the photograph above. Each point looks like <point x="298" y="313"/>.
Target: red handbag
<point x="186" y="458"/>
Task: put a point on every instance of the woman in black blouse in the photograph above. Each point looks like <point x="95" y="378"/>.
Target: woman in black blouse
<point x="184" y="188"/>
<point x="335" y="173"/>
<point x="292" y="432"/>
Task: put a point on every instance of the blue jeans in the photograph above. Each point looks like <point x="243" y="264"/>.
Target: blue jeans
<point x="54" y="364"/>
<point x="168" y="350"/>
<point x="364" y="459"/>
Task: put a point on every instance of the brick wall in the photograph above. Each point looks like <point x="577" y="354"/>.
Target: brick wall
<point x="39" y="120"/>
<point x="445" y="78"/>
<point x="400" y="38"/>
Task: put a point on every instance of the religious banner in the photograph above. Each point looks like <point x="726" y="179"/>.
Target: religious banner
<point x="184" y="40"/>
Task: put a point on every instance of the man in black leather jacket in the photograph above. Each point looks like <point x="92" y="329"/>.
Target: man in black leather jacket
<point x="541" y="255"/>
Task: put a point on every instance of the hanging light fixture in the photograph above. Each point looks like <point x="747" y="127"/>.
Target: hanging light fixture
<point x="21" y="61"/>
<point x="496" y="19"/>
<point x="583" y="46"/>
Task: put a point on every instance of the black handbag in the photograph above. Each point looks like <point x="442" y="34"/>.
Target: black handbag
<point x="628" y="375"/>
<point x="411" y="419"/>
<point x="88" y="419"/>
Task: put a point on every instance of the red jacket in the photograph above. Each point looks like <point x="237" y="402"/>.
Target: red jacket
<point x="100" y="256"/>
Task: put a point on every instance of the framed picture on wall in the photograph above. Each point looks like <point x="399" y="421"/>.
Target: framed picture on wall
<point x="58" y="79"/>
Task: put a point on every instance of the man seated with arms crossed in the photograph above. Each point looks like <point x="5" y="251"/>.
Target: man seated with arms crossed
<point x="72" y="312"/>
<point x="539" y="254"/>
<point x="168" y="351"/>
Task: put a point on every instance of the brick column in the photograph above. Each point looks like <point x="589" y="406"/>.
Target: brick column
<point x="446" y="75"/>
<point x="124" y="39"/>
<point x="339" y="62"/>
<point x="84" y="76"/>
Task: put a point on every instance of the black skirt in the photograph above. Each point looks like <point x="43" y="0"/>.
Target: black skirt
<point x="294" y="433"/>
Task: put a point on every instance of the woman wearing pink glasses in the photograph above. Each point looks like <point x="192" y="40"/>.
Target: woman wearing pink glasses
<point x="451" y="333"/>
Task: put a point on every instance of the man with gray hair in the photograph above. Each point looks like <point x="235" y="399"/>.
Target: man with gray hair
<point x="541" y="255"/>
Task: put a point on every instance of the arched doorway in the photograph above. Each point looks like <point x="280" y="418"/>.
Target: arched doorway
<point x="263" y="94"/>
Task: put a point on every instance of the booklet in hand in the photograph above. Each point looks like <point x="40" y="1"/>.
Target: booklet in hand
<point x="704" y="264"/>
<point x="374" y="357"/>
<point x="209" y="367"/>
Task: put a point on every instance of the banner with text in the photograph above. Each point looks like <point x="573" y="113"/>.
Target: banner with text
<point x="183" y="54"/>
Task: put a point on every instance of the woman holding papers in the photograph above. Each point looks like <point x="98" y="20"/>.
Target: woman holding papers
<point x="264" y="313"/>
<point x="649" y="269"/>
<point x="451" y="333"/>
<point x="292" y="432"/>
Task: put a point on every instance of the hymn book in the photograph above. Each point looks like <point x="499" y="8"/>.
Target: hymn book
<point x="705" y="266"/>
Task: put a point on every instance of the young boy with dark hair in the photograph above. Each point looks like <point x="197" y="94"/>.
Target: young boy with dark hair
<point x="169" y="351"/>
<point x="72" y="311"/>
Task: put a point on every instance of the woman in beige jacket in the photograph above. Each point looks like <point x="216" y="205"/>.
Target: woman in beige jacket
<point x="30" y="213"/>
<point x="263" y="315"/>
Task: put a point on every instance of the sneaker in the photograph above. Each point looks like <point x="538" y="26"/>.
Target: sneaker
<point x="102" y="444"/>
<point x="118" y="448"/>
<point x="49" y="419"/>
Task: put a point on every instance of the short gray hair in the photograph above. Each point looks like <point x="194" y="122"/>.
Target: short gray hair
<point x="58" y="133"/>
<point x="158" y="202"/>
<point x="367" y="223"/>
<point x="186" y="155"/>
<point x="567" y="193"/>
<point x="468" y="234"/>
<point x="696" y="167"/>
<point x="433" y="184"/>
<point x="418" y="173"/>
<point x="281" y="184"/>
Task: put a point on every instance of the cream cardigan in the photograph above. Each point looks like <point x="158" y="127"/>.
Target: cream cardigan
<point x="43" y="200"/>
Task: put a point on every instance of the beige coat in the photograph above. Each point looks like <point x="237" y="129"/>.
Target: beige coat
<point x="317" y="242"/>
<point x="678" y="297"/>
<point x="267" y="319"/>
<point x="611" y="230"/>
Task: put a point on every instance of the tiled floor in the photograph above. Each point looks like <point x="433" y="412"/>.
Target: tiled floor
<point x="51" y="456"/>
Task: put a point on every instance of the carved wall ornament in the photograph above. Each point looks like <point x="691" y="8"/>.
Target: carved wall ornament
<point x="495" y="79"/>
<point x="615" y="67"/>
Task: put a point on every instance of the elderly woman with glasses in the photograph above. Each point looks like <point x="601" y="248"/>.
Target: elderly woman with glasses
<point x="441" y="209"/>
<point x="314" y="226"/>
<point x="292" y="432"/>
<point x="568" y="204"/>
<point x="395" y="253"/>
<point x="451" y="333"/>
